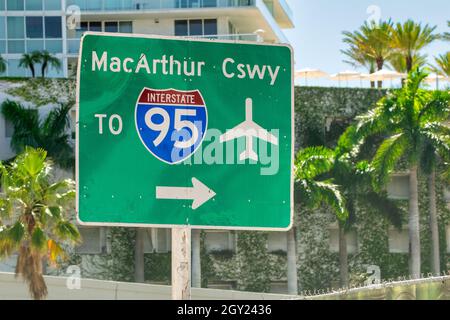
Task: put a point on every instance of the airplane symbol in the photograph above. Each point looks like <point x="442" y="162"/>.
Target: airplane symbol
<point x="248" y="129"/>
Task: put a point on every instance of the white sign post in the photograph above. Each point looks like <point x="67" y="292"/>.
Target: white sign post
<point x="181" y="263"/>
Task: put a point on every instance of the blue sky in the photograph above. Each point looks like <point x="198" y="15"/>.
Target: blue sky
<point x="317" y="37"/>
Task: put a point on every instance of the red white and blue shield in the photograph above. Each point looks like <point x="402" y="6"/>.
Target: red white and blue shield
<point x="171" y="123"/>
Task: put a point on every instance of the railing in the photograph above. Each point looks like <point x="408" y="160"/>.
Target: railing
<point x="74" y="44"/>
<point x="286" y="8"/>
<point x="231" y="37"/>
<point x="136" y="5"/>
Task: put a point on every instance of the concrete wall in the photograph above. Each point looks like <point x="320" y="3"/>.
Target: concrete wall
<point x="11" y="288"/>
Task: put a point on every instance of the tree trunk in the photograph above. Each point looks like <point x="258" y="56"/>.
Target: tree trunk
<point x="435" y="259"/>
<point x="380" y="63"/>
<point x="408" y="63"/>
<point x="292" y="280"/>
<point x="196" y="263"/>
<point x="139" y="255"/>
<point x="44" y="66"/>
<point x="32" y="71"/>
<point x="414" y="234"/>
<point x="343" y="256"/>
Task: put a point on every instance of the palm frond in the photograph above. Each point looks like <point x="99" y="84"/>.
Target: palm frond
<point x="386" y="158"/>
<point x="57" y="120"/>
<point x="312" y="162"/>
<point x="25" y="122"/>
<point x="436" y="108"/>
<point x="384" y="206"/>
<point x="330" y="194"/>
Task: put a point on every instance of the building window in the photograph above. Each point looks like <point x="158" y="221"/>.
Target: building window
<point x="95" y="26"/>
<point x="16" y="46"/>
<point x="35" y="45"/>
<point x="94" y="5"/>
<point x="277" y="241"/>
<point x="210" y="26"/>
<point x="34" y="27"/>
<point x="181" y="27"/>
<point x="209" y="3"/>
<point x="125" y="26"/>
<point x="398" y="241"/>
<point x="33" y="5"/>
<point x="14" y="5"/>
<point x="111" y="26"/>
<point x="53" y="27"/>
<point x="351" y="237"/>
<point x="196" y="27"/>
<point x="53" y="46"/>
<point x="15" y="27"/>
<point x="52" y="4"/>
<point x="113" y="5"/>
<point x="398" y="187"/>
<point x="217" y="241"/>
<point x="2" y="28"/>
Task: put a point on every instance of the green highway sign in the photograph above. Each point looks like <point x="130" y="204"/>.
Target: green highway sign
<point x="181" y="132"/>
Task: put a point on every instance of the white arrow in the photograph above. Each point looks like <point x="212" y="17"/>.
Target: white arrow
<point x="199" y="193"/>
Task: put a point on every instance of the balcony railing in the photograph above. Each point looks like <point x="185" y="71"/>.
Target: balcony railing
<point x="136" y="5"/>
<point x="73" y="45"/>
<point x="231" y="37"/>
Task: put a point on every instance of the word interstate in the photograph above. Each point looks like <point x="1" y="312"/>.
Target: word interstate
<point x="168" y="65"/>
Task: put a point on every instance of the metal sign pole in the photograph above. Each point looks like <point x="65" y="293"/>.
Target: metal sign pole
<point x="181" y="263"/>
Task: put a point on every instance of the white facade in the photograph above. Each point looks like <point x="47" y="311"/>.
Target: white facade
<point x="57" y="25"/>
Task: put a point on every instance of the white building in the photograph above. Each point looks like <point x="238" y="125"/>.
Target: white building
<point x="57" y="25"/>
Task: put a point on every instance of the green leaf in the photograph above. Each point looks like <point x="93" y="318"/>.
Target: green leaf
<point x="38" y="239"/>
<point x="312" y="162"/>
<point x="331" y="195"/>
<point x="16" y="232"/>
<point x="33" y="161"/>
<point x="386" y="157"/>
<point x="67" y="231"/>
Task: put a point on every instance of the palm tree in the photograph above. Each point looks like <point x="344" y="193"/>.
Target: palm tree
<point x="50" y="134"/>
<point x="354" y="178"/>
<point x="35" y="210"/>
<point x="411" y="37"/>
<point x="370" y="43"/>
<point x="409" y="118"/>
<point x="47" y="59"/>
<point x="429" y="163"/>
<point x="357" y="59"/>
<point x="28" y="60"/>
<point x="443" y="64"/>
<point x="398" y="62"/>
<point x="2" y="64"/>
<point x="311" y="164"/>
